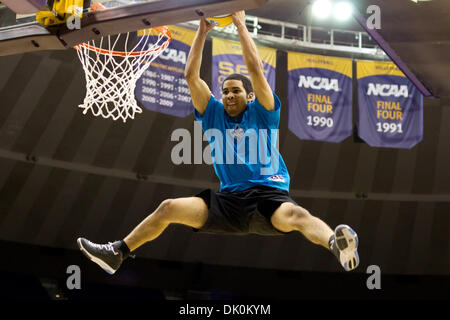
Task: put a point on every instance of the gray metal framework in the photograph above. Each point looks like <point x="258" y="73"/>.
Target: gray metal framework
<point x="304" y="37"/>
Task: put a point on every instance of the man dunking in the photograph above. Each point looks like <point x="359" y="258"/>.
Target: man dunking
<point x="253" y="196"/>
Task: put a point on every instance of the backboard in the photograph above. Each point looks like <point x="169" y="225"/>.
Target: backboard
<point x="21" y="33"/>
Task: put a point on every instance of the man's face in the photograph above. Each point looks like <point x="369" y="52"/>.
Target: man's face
<point x="234" y="97"/>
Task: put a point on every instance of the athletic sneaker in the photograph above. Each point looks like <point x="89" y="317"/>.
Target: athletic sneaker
<point x="108" y="256"/>
<point x="344" y="245"/>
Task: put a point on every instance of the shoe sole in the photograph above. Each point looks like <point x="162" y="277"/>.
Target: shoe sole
<point x="103" y="265"/>
<point x="347" y="243"/>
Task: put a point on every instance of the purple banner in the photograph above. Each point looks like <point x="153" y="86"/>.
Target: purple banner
<point x="320" y="97"/>
<point x="390" y="108"/>
<point x="162" y="87"/>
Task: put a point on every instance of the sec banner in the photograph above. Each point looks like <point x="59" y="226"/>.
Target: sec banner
<point x="390" y="107"/>
<point x="320" y="97"/>
<point x="228" y="59"/>
<point x="163" y="88"/>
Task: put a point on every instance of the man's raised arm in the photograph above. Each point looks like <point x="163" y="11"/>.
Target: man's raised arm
<point x="253" y="62"/>
<point x="200" y="92"/>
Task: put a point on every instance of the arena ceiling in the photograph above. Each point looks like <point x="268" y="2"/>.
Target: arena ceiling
<point x="418" y="33"/>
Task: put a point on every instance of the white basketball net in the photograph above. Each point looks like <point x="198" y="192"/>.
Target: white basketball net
<point x="111" y="75"/>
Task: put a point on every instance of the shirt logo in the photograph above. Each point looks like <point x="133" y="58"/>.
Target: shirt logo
<point x="277" y="178"/>
<point x="237" y="132"/>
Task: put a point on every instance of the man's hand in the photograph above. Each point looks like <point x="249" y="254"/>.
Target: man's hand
<point x="205" y="26"/>
<point x="239" y="18"/>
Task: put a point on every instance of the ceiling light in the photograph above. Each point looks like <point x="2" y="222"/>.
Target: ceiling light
<point x="342" y="10"/>
<point x="322" y="8"/>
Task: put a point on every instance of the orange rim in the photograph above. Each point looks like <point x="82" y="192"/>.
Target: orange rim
<point x="163" y="29"/>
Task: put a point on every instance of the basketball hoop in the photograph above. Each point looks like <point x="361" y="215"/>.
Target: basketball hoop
<point x="111" y="75"/>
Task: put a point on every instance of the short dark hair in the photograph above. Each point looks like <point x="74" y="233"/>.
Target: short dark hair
<point x="245" y="81"/>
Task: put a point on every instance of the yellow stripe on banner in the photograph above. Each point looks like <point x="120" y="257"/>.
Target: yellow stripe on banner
<point x="301" y="60"/>
<point x="178" y="33"/>
<point x="366" y="68"/>
<point x="221" y="46"/>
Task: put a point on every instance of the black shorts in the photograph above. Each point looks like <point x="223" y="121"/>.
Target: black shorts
<point x="243" y="212"/>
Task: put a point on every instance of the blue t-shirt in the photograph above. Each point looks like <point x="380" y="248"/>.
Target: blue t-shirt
<point x="244" y="149"/>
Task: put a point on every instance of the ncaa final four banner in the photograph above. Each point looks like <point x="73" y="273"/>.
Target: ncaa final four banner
<point x="390" y="108"/>
<point x="320" y="97"/>
<point x="227" y="59"/>
<point x="162" y="87"/>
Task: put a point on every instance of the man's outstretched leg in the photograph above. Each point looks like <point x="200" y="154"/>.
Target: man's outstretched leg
<point x="191" y="211"/>
<point x="343" y="242"/>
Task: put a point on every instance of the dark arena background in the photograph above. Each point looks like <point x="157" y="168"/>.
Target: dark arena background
<point x="64" y="175"/>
